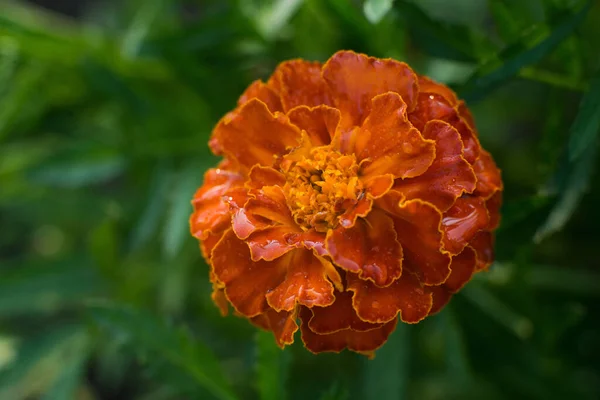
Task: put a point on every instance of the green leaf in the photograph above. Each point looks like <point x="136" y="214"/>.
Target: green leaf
<point x="177" y="226"/>
<point x="585" y="129"/>
<point x="184" y="355"/>
<point x="71" y="373"/>
<point x="506" y="21"/>
<point x="442" y="39"/>
<point x="272" y="365"/>
<point x="375" y="10"/>
<point x="47" y="287"/>
<point x="564" y="279"/>
<point x="386" y="377"/>
<point x="34" y="370"/>
<point x="483" y="298"/>
<point x="531" y="48"/>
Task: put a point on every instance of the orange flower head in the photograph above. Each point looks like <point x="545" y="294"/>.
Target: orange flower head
<point x="350" y="193"/>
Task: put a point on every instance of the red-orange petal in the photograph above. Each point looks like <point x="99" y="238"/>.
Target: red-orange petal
<point x="246" y="282"/>
<point x="462" y="266"/>
<point x="300" y="83"/>
<point x="489" y="180"/>
<point x="483" y="244"/>
<point x="320" y="123"/>
<point x="338" y="316"/>
<point x="467" y="216"/>
<point x="267" y="208"/>
<point x="305" y="283"/>
<point x="369" y="248"/>
<point x="448" y="177"/>
<point x="218" y="297"/>
<point x="381" y="304"/>
<point x="211" y="213"/>
<point x="270" y="243"/>
<point x="261" y="91"/>
<point x="493" y="205"/>
<point x="378" y="186"/>
<point x="418" y="226"/>
<point x="432" y="106"/>
<point x="389" y="144"/>
<point x="440" y="297"/>
<point x="361" y="209"/>
<point x="253" y="135"/>
<point x="354" y="79"/>
<point x="261" y="176"/>
<point x="359" y="341"/>
<point x="428" y="85"/>
<point x="282" y="324"/>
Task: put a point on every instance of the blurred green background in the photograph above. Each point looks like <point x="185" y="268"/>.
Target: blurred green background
<point x="105" y="111"/>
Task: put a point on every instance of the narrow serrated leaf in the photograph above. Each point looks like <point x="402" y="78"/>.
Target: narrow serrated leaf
<point x="185" y="356"/>
<point x="529" y="49"/>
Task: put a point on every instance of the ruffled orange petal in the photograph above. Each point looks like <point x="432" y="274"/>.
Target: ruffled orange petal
<point x="338" y="316"/>
<point x="267" y="208"/>
<point x="305" y="283"/>
<point x="381" y="304"/>
<point x="428" y="85"/>
<point x="483" y="244"/>
<point x="261" y="91"/>
<point x="462" y="266"/>
<point x="253" y="135"/>
<point x="270" y="243"/>
<point x="211" y="213"/>
<point x="418" y="226"/>
<point x="218" y="297"/>
<point x="467" y="216"/>
<point x="260" y="176"/>
<point x="300" y="84"/>
<point x="493" y="205"/>
<point x="359" y="341"/>
<point x="378" y="186"/>
<point x="361" y="209"/>
<point x="320" y="123"/>
<point x="448" y="177"/>
<point x="354" y="79"/>
<point x="389" y="144"/>
<point x="432" y="106"/>
<point x="369" y="248"/>
<point x="440" y="297"/>
<point x="489" y="180"/>
<point x="246" y="282"/>
<point x="282" y="324"/>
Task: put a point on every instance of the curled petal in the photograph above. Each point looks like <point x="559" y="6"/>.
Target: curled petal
<point x="389" y="144"/>
<point x="359" y="341"/>
<point x="463" y="267"/>
<point x="305" y="283"/>
<point x="381" y="304"/>
<point x="260" y="176"/>
<point x="361" y="209"/>
<point x="418" y="226"/>
<point x="300" y="83"/>
<point x="466" y="115"/>
<point x="211" y="213"/>
<point x="440" y="297"/>
<point x="431" y="106"/>
<point x="267" y="208"/>
<point x="207" y="245"/>
<point x="428" y="85"/>
<point x="493" y="205"/>
<point x="448" y="177"/>
<point x="461" y="222"/>
<point x="270" y="243"/>
<point x="282" y="324"/>
<point x="253" y="135"/>
<point x="378" y="185"/>
<point x="261" y="91"/>
<point x="483" y="244"/>
<point x="218" y="297"/>
<point x="246" y="282"/>
<point x="354" y="79"/>
<point x="338" y="316"/>
<point x="489" y="180"/>
<point x="369" y="248"/>
<point x="320" y="123"/>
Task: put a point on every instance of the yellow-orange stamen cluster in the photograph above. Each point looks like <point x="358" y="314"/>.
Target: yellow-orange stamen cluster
<point x="320" y="186"/>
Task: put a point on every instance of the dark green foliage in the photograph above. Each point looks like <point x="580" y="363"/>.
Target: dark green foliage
<point x="104" y="122"/>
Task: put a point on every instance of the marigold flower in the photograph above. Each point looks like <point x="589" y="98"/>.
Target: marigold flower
<point x="349" y="194"/>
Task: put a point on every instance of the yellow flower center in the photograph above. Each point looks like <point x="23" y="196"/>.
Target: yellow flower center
<point x="320" y="185"/>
